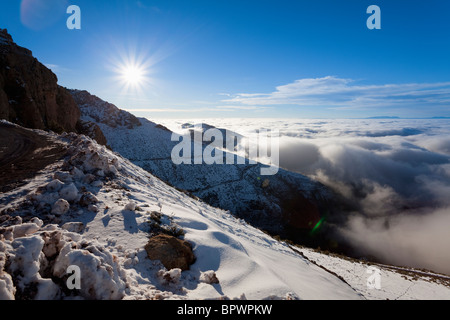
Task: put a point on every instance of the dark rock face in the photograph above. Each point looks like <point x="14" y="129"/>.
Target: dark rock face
<point x="172" y="252"/>
<point x="29" y="93"/>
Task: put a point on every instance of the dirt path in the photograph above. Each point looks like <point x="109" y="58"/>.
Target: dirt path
<point x="23" y="153"/>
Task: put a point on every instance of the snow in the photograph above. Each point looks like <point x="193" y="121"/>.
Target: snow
<point x="7" y="290"/>
<point x="63" y="176"/>
<point x="396" y="283"/>
<point x="25" y="260"/>
<point x="37" y="221"/>
<point x="24" y="229"/>
<point x="171" y="276"/>
<point x="101" y="275"/>
<point x="69" y="193"/>
<point x="55" y="185"/>
<point x="235" y="187"/>
<point x="131" y="206"/>
<point x="93" y="208"/>
<point x="60" y="207"/>
<point x="233" y="259"/>
<point x="209" y="277"/>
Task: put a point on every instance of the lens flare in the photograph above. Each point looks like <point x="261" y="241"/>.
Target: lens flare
<point x="41" y="14"/>
<point x="317" y="226"/>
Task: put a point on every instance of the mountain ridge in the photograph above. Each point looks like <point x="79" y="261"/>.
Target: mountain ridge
<point x="287" y="204"/>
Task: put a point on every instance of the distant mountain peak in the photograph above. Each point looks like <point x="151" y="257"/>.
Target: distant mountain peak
<point x="384" y="117"/>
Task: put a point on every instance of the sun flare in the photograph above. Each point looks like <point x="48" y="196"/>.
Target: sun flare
<point x="132" y="71"/>
<point x="133" y="75"/>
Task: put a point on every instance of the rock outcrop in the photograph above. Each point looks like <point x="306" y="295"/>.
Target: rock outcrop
<point x="92" y="130"/>
<point x="29" y="93"/>
<point x="172" y="252"/>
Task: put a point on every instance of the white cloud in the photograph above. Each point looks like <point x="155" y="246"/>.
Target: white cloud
<point x="233" y="108"/>
<point x="169" y="110"/>
<point x="405" y="239"/>
<point x="336" y="92"/>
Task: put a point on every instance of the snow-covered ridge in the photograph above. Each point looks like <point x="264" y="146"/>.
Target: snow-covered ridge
<point x="96" y="110"/>
<point x="286" y="204"/>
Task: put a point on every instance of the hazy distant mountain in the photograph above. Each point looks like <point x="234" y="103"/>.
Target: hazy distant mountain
<point x="384" y="117"/>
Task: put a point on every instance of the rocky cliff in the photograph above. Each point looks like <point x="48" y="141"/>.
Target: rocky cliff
<point x="29" y="93"/>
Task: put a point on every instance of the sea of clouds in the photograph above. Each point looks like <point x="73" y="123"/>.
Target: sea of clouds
<point x="395" y="173"/>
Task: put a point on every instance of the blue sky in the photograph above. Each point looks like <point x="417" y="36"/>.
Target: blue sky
<point x="265" y="58"/>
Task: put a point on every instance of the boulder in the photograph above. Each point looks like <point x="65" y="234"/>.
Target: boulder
<point x="209" y="277"/>
<point x="172" y="252"/>
<point x="87" y="199"/>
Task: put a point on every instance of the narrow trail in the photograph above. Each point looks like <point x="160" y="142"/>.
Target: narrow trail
<point x="23" y="153"/>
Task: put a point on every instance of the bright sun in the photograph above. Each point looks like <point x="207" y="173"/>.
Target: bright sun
<point x="133" y="75"/>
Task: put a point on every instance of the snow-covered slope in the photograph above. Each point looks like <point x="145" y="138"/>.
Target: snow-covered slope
<point x="396" y="283"/>
<point x="288" y="204"/>
<point x="104" y="228"/>
<point x="107" y="241"/>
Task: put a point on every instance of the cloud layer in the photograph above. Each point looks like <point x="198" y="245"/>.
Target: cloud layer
<point x="396" y="173"/>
